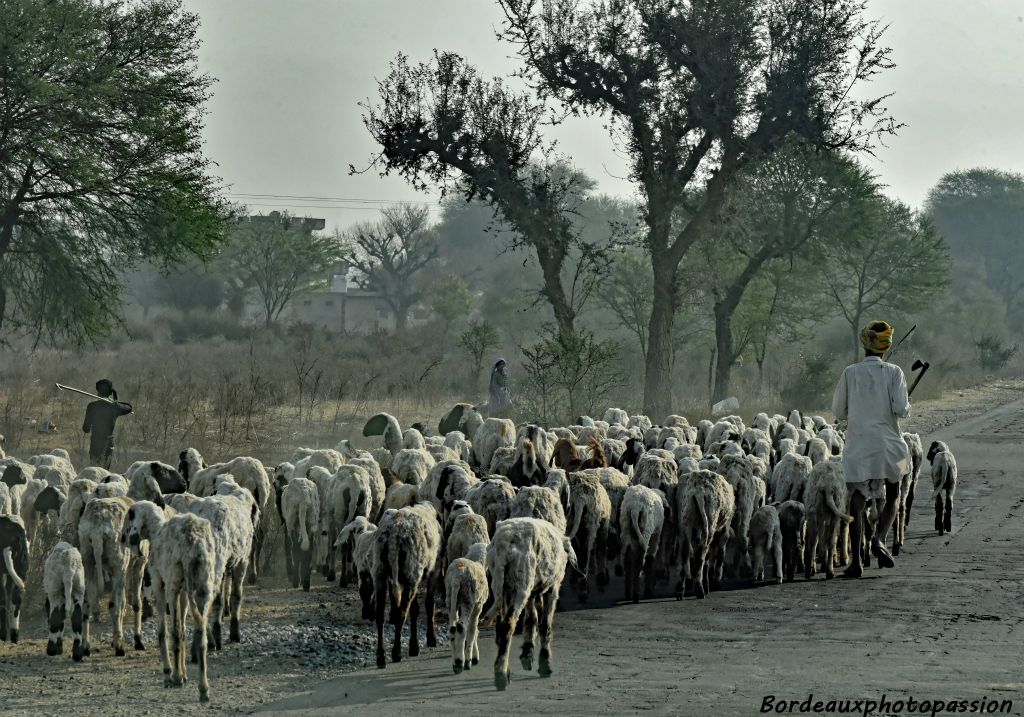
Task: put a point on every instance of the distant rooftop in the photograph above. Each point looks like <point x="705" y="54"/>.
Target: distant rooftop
<point x="309" y="224"/>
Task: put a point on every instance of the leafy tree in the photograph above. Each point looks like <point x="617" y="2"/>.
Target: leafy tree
<point x="478" y="339"/>
<point x="280" y="258"/>
<point x="696" y="90"/>
<point x="100" y="156"/>
<point x="893" y="259"/>
<point x="792" y="203"/>
<point x="441" y="123"/>
<point x="450" y="300"/>
<point x="980" y="213"/>
<point x="628" y="293"/>
<point x="391" y="254"/>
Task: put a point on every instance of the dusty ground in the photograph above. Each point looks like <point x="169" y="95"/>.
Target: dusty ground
<point x="945" y="624"/>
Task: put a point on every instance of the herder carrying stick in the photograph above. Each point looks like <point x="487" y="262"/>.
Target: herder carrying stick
<point x="100" y="417"/>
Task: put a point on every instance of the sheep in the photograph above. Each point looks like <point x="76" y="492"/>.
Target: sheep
<point x="406" y="558"/>
<point x="526" y="562"/>
<point x="466" y="529"/>
<point x="149" y="480"/>
<point x="764" y="539"/>
<point x="466" y="590"/>
<point x="399" y="495"/>
<point x="351" y="495"/>
<point x="491" y="498"/>
<point x="324" y="480"/>
<point x="655" y="471"/>
<point x="30" y="512"/>
<point x="448" y="481"/>
<point x="640" y="421"/>
<point x="502" y="461"/>
<point x="80" y="492"/>
<point x="785" y="447"/>
<point x="641" y="519"/>
<point x="750" y="493"/>
<point x="64" y="583"/>
<point x="763" y="422"/>
<point x="793" y="523"/>
<point x="616" y="415"/>
<point x="386" y="425"/>
<point x="834" y="441"/>
<point x="590" y="514"/>
<point x="492" y="434"/>
<point x="539" y="502"/>
<point x="790" y="477"/>
<point x="824" y="494"/>
<point x="528" y="468"/>
<point x="6" y="502"/>
<point x="231" y="517"/>
<point x="106" y="559"/>
<point x="751" y="437"/>
<point x="705" y="503"/>
<point x="817" y="450"/>
<point x="356" y="540"/>
<point x="908" y="486"/>
<point x="412" y="465"/>
<point x="187" y="570"/>
<point x="385" y="459"/>
<point x="58" y="475"/>
<point x="377" y="486"/>
<point x="14" y="547"/>
<point x="944" y="478"/>
<point x="300" y="504"/>
<point x="456" y="440"/>
<point x="442" y="453"/>
<point x="558" y="481"/>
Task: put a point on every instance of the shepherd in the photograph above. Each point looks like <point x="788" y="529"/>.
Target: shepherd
<point x="100" y="417"/>
<point x="499" y="402"/>
<point x="872" y="397"/>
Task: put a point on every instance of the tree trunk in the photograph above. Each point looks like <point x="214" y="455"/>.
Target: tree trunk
<point x="724" y="345"/>
<point x="551" y="267"/>
<point x="401" y="319"/>
<point x="658" y="394"/>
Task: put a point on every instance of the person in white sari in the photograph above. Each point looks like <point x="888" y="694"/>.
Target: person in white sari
<point x="872" y="397"/>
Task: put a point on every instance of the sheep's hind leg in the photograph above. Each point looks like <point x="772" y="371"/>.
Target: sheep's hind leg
<point x="529" y="634"/>
<point x="938" y="514"/>
<point x="379" y="617"/>
<point x="237" y="581"/>
<point x="547" y="631"/>
<point x="503" y="635"/>
<point x="414" y="632"/>
<point x="428" y="600"/>
<point x="947" y="516"/>
<point x="55" y="645"/>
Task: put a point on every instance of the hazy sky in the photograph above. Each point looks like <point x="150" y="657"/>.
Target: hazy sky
<point x="284" y="118"/>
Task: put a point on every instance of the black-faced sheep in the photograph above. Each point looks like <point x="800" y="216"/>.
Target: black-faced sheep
<point x="526" y="562"/>
<point x="14" y="550"/>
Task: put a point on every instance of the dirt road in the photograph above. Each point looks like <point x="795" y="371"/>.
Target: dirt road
<point x="944" y="625"/>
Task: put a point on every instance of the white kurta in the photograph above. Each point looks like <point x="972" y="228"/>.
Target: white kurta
<point x="872" y="397"/>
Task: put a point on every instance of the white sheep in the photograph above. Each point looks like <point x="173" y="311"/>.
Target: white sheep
<point x="764" y="540"/>
<point x="456" y="440"/>
<point x="526" y="561"/>
<point x="64" y="584"/>
<point x="465" y="530"/>
<point x="590" y="515"/>
<point x="641" y="519"/>
<point x="406" y="559"/>
<point x="790" y="477"/>
<point x="540" y="502"/>
<point x="705" y="503"/>
<point x="616" y="415"/>
<point x="908" y="486"/>
<point x="466" y="589"/>
<point x="356" y="540"/>
<point x="824" y="497"/>
<point x="187" y="571"/>
<point x="502" y="461"/>
<point x="749" y="493"/>
<point x="300" y="504"/>
<point x="351" y="495"/>
<point x="944" y="478"/>
<point x="491" y="498"/>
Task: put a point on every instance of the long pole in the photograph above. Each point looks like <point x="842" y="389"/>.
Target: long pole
<point x="62" y="387"/>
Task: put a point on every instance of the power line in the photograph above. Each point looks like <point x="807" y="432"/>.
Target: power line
<point x="352" y="200"/>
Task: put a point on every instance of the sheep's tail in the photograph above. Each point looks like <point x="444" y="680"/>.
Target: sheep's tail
<point x="498" y="575"/>
<point x="453" y="601"/>
<point x="645" y="540"/>
<point x="699" y="500"/>
<point x="948" y="483"/>
<point x="69" y="589"/>
<point x="529" y="457"/>
<point x="9" y="564"/>
<point x="96" y="541"/>
<point x="302" y="527"/>
<point x="577" y="513"/>
<point x="395" y="555"/>
<point x="830" y="501"/>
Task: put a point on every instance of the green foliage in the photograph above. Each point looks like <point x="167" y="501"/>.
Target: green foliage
<point x="811" y="383"/>
<point x="568" y="375"/>
<point x="279" y="258"/>
<point x="100" y="157"/>
<point x="628" y="292"/>
<point x="451" y="300"/>
<point x="478" y="339"/>
<point x="993" y="354"/>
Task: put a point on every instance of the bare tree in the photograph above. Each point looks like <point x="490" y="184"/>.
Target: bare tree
<point x="391" y="254"/>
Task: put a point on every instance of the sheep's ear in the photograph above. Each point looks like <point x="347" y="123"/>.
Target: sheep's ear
<point x="376" y="425"/>
<point x="451" y="420"/>
<point x="159" y="501"/>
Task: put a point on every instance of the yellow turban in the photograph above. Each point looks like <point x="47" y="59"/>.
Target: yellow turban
<point x="877" y="337"/>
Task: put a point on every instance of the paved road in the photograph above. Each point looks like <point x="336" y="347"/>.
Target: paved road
<point x="945" y="624"/>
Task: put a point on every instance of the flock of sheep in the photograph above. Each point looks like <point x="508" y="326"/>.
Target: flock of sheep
<point x="489" y="517"/>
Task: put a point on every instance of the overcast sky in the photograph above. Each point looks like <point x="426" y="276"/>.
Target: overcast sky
<point x="284" y="118"/>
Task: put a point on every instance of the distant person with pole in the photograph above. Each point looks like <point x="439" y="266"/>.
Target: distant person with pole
<point x="100" y="417"/>
<point x="872" y="396"/>
<point x="499" y="402"/>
